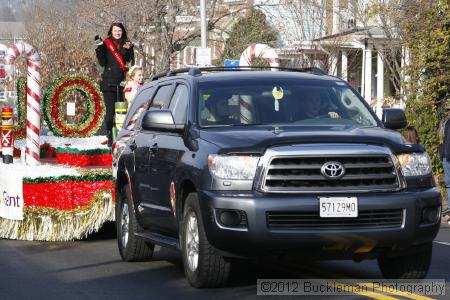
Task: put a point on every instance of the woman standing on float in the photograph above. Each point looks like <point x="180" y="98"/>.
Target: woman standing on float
<point x="114" y="53"/>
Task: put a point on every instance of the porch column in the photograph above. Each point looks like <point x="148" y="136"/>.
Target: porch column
<point x="185" y="56"/>
<point x="368" y="74"/>
<point x="333" y="64"/>
<point x="380" y="84"/>
<point x="405" y="78"/>
<point x="363" y="68"/>
<point x="178" y="59"/>
<point x="344" y="65"/>
<point x="153" y="53"/>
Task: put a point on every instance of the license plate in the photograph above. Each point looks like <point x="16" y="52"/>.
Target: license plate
<point x="338" y="207"/>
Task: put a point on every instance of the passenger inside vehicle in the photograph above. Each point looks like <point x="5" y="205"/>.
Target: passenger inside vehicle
<point x="315" y="106"/>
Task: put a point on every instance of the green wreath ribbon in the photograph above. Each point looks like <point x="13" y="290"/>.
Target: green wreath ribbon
<point x="53" y="106"/>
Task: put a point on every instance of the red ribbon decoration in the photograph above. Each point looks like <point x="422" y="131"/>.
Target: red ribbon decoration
<point x="64" y="195"/>
<point x="116" y="55"/>
<point x="84" y="160"/>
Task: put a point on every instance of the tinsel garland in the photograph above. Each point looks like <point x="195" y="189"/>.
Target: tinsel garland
<point x="50" y="224"/>
<point x="84" y="157"/>
<point x="64" y="195"/>
<point x="95" y="172"/>
<point x="19" y="128"/>
<point x="88" y="117"/>
<point x="83" y="151"/>
<point x="62" y="207"/>
<point x="85" y="177"/>
<point x="54" y="112"/>
<point x="84" y="160"/>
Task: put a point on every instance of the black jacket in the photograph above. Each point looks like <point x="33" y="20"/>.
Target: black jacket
<point x="445" y="147"/>
<point x="113" y="74"/>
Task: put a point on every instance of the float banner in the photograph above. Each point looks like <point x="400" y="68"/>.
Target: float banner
<point x="11" y="196"/>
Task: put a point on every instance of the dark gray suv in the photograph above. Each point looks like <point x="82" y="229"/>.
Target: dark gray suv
<point x="225" y="164"/>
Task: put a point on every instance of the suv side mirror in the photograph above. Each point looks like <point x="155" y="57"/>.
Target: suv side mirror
<point x="394" y="118"/>
<point x="160" y="120"/>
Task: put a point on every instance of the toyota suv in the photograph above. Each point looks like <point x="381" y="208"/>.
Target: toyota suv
<point x="231" y="163"/>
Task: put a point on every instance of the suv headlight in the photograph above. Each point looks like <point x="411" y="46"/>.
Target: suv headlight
<point x="233" y="166"/>
<point x="415" y="164"/>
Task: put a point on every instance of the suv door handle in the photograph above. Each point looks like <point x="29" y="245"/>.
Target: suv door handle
<point x="154" y="148"/>
<point x="133" y="145"/>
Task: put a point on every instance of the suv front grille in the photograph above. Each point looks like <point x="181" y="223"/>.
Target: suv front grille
<point x="303" y="174"/>
<point x="287" y="220"/>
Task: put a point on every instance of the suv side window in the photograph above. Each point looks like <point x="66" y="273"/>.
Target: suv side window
<point x="179" y="104"/>
<point x="162" y="97"/>
<point x="138" y="106"/>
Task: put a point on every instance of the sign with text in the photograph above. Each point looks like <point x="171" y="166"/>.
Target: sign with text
<point x="11" y="196"/>
<point x="203" y="57"/>
<point x="71" y="109"/>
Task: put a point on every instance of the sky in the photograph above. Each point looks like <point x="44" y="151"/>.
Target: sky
<point x="10" y="10"/>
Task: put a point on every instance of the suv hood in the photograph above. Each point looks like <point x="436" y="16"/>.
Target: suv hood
<point x="257" y="138"/>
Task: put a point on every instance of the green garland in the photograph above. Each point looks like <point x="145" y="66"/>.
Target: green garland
<point x="97" y="177"/>
<point x="86" y="152"/>
<point x="19" y="128"/>
<point x="54" y="109"/>
<point x="88" y="117"/>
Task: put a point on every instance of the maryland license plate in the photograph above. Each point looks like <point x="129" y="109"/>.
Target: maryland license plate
<point x="338" y="207"/>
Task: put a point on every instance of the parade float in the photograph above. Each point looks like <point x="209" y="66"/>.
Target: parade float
<point x="58" y="187"/>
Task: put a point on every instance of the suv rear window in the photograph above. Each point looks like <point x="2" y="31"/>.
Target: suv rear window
<point x="287" y="101"/>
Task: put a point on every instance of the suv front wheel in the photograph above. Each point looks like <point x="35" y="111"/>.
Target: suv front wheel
<point x="203" y="266"/>
<point x="410" y="266"/>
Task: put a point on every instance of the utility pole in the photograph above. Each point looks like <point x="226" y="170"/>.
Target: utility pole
<point x="203" y="25"/>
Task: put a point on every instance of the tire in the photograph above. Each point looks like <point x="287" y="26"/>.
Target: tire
<point x="207" y="268"/>
<point x="411" y="266"/>
<point x="131" y="247"/>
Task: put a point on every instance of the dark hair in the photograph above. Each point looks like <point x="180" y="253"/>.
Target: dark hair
<point x="120" y="25"/>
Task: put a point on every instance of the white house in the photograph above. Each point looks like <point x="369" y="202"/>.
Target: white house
<point x="332" y="34"/>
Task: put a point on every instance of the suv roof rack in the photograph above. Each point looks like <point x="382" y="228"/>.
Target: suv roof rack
<point x="196" y="71"/>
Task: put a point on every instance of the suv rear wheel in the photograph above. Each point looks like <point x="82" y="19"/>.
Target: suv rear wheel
<point x="202" y="265"/>
<point x="411" y="266"/>
<point x="131" y="247"/>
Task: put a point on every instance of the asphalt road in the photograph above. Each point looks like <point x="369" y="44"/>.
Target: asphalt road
<point x="92" y="269"/>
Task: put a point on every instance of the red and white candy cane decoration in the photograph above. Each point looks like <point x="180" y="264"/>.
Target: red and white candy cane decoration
<point x="259" y="50"/>
<point x="33" y="96"/>
<point x="247" y="58"/>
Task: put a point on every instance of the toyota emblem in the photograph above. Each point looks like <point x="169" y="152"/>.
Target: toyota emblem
<point x="332" y="170"/>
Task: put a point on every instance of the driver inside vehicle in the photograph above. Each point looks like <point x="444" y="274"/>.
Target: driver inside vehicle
<point x="217" y="111"/>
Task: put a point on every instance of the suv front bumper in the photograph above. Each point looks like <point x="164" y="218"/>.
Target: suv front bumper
<point x="335" y="242"/>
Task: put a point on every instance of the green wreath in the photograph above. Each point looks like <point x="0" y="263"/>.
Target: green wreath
<point x="54" y="108"/>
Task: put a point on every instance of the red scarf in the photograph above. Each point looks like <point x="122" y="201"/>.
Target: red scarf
<point x="116" y="55"/>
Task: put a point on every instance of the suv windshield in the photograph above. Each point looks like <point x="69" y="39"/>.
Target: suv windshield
<point x="287" y="101"/>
